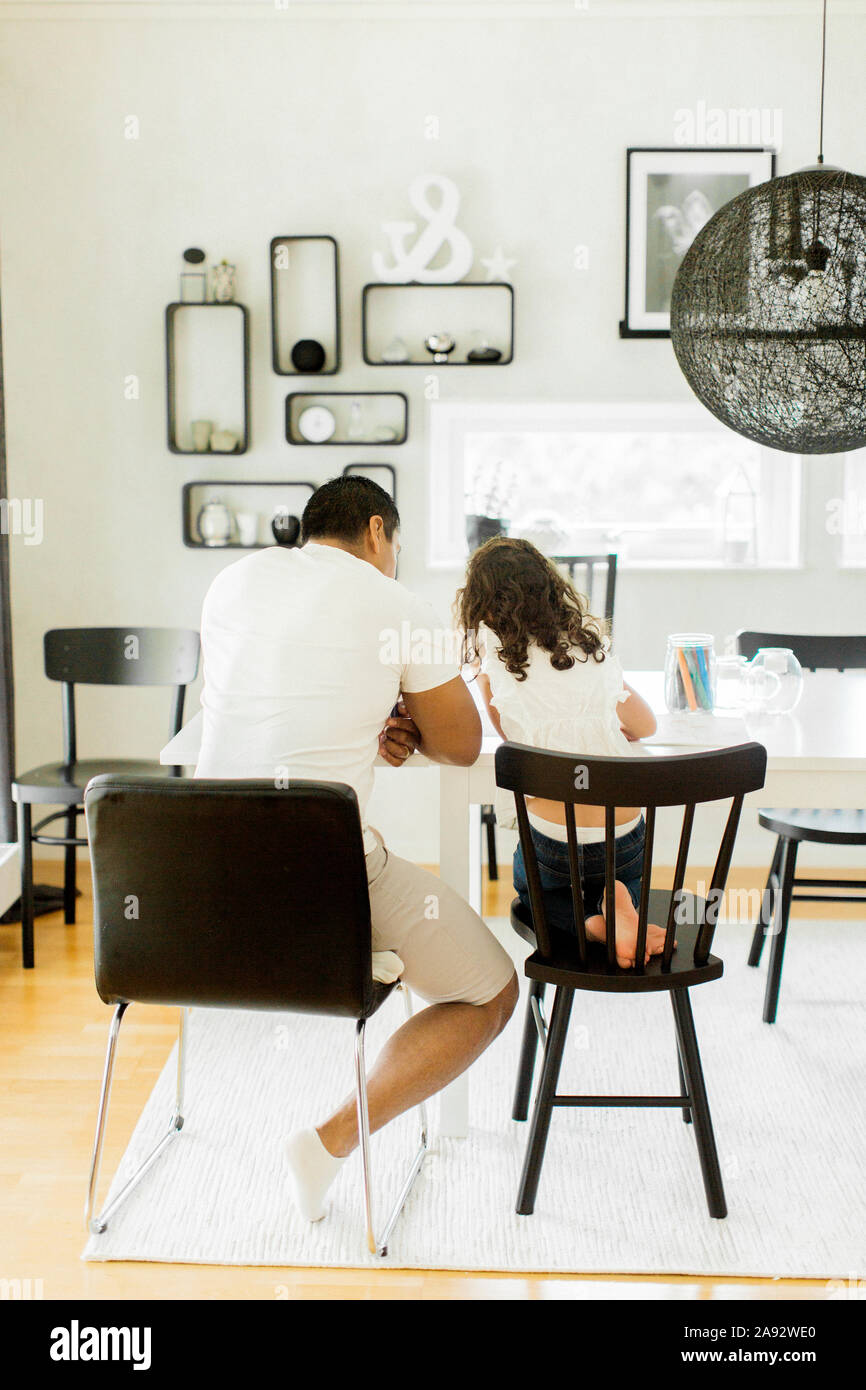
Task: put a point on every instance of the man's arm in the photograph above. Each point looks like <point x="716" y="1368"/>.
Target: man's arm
<point x="400" y="737"/>
<point x="449" y="722"/>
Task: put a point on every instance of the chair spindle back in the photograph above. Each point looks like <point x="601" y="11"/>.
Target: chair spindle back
<point x="686" y="780"/>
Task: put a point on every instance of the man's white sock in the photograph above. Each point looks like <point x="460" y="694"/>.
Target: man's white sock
<point x="312" y="1169"/>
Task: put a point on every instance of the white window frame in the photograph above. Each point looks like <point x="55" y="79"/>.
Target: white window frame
<point x="846" y="513"/>
<point x="450" y="421"/>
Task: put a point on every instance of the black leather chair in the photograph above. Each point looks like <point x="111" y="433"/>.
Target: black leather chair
<point x="795" y="825"/>
<point x="232" y="895"/>
<point x="93" y="656"/>
<point x="585" y="584"/>
<point x="573" y="962"/>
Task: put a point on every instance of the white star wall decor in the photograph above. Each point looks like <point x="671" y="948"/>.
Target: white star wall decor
<point x="498" y="265"/>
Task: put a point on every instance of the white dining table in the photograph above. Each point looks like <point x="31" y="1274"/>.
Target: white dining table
<point x="816" y="756"/>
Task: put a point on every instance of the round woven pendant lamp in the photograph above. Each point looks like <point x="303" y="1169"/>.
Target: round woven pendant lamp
<point x="768" y="311"/>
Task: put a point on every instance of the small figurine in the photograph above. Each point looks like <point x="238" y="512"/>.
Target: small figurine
<point x="440" y="344"/>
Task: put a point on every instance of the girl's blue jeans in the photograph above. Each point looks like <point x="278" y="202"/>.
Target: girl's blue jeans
<point x="555" y="875"/>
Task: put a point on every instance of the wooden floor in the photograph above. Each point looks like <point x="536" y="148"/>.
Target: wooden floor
<point x="52" y="1040"/>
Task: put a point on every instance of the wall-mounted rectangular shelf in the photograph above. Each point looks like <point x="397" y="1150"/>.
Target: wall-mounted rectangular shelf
<point x="381" y="473"/>
<point x="261" y="499"/>
<point x="305" y="301"/>
<point x="473" y="313"/>
<point x="207" y="368"/>
<point x="382" y="417"/>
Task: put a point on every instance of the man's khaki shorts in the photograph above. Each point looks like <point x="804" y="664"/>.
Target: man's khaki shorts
<point x="450" y="956"/>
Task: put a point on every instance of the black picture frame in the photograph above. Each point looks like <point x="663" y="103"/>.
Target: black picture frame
<point x="758" y="161"/>
<point x="275" y="341"/>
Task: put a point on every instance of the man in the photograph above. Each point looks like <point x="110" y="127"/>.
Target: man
<point x="305" y="656"/>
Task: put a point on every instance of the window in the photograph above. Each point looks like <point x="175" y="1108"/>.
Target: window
<point x="661" y="485"/>
<point x="846" y="515"/>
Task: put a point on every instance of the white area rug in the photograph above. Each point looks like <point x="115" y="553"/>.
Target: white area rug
<point x="621" y="1190"/>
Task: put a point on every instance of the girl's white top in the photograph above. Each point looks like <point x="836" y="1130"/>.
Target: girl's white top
<point x="573" y="711"/>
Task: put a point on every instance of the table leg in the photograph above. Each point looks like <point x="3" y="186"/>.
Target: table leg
<point x="474" y="831"/>
<point x="460" y="867"/>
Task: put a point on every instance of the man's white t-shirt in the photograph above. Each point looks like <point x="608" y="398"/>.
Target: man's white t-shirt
<point x="305" y="653"/>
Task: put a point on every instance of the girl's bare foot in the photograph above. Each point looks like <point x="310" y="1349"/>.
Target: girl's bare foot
<point x="626" y="930"/>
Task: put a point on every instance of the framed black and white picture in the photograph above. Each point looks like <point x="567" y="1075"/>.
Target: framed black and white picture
<point x="671" y="194"/>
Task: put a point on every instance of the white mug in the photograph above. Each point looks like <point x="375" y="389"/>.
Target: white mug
<point x="201" y="433"/>
<point x="248" y="527"/>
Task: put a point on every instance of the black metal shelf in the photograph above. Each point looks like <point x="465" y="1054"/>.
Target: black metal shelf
<point x="308" y="320"/>
<point x="171" y="368"/>
<point x="226" y="486"/>
<point x="365" y="469"/>
<point x="497" y="288"/>
<point x="293" y="413"/>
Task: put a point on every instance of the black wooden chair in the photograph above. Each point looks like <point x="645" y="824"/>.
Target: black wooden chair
<point x="585" y="584"/>
<point x="93" y="656"/>
<point x="572" y="962"/>
<point x="794" y="825"/>
<point x="245" y="896"/>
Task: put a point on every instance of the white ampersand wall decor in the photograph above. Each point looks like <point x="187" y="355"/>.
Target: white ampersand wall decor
<point x="414" y="262"/>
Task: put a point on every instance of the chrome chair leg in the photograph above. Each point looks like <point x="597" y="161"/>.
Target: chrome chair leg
<point x="99" y="1223"/>
<point x="422" y="1108"/>
<point x="379" y="1245"/>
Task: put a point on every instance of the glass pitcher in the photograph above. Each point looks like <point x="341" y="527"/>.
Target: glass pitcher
<point x="773" y="681"/>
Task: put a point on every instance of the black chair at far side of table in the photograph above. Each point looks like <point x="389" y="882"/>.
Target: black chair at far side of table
<point x="93" y="656"/>
<point x="584" y="582"/>
<point x="795" y="825"/>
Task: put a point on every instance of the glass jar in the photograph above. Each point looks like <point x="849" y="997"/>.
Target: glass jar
<point x="690" y="672"/>
<point x="730" y="682"/>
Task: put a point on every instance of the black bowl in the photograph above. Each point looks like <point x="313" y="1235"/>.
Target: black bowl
<point x="308" y="355"/>
<point x="286" y="529"/>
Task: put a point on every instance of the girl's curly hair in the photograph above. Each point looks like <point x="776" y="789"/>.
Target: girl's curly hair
<point x="522" y="597"/>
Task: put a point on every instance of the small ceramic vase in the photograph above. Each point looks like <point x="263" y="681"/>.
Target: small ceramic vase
<point x="223" y="441"/>
<point x="215" y="523"/>
<point x="286" y="527"/>
<point x="356" y="421"/>
<point x="223" y="280"/>
<point x="396" y="351"/>
<point x="201" y="433"/>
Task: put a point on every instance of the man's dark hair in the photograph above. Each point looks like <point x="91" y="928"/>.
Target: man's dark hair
<point x="341" y="509"/>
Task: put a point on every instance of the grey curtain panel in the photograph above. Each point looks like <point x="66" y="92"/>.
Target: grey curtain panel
<point x="8" y="831"/>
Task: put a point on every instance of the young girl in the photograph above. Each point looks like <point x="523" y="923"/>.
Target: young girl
<point x="548" y="679"/>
